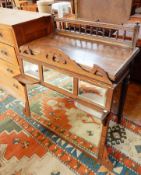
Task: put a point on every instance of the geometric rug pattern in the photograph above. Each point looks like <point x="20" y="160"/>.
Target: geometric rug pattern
<point x="28" y="147"/>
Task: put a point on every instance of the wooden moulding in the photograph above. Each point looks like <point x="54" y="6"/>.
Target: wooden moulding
<point x="58" y="59"/>
<point x="26" y="80"/>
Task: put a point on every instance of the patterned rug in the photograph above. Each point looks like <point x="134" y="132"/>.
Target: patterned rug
<point x="28" y="147"/>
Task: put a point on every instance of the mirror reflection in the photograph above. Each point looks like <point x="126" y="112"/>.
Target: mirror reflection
<point x="92" y="93"/>
<point x="31" y="69"/>
<point x="58" y="79"/>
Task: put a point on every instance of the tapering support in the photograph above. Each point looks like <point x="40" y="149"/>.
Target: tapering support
<point x="103" y="154"/>
<point x="26" y="109"/>
<point x="124" y="88"/>
<point x="105" y="160"/>
<point x="25" y="80"/>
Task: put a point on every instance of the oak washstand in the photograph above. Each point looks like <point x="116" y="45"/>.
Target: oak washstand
<point x="93" y="58"/>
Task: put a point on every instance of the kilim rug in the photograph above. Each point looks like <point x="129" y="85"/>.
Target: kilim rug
<point x="29" y="147"/>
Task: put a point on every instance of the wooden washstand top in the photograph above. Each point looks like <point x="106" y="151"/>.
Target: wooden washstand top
<point x="113" y="59"/>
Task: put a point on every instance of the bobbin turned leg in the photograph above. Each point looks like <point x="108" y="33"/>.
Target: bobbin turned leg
<point x="26" y="109"/>
<point x="25" y="80"/>
<point x="103" y="153"/>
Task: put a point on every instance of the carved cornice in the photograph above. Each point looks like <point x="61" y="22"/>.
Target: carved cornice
<point x="57" y="58"/>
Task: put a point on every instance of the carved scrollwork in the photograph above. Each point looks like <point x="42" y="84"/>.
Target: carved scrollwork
<point x="59" y="59"/>
<point x="98" y="72"/>
<point x="56" y="57"/>
<point x="50" y="54"/>
<point x="26" y="50"/>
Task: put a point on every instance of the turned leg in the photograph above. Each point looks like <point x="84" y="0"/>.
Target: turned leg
<point x="26" y="110"/>
<point x="24" y="81"/>
<point x="103" y="154"/>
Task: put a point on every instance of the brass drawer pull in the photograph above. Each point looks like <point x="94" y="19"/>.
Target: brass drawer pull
<point x="10" y="70"/>
<point x="4" y="52"/>
<point x="16" y="86"/>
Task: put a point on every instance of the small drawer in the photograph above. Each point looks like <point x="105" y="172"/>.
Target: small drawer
<point x="8" y="68"/>
<point x="6" y="36"/>
<point x="8" y="53"/>
<point x="12" y="86"/>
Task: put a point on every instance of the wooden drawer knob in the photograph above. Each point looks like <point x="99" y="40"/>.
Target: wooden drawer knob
<point x="10" y="70"/>
<point x="4" y="52"/>
<point x="16" y="86"/>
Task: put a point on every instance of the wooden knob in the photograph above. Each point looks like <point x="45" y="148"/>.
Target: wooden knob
<point x="16" y="86"/>
<point x="4" y="52"/>
<point x="9" y="70"/>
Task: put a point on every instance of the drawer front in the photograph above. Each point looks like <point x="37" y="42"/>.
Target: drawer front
<point x="8" y="68"/>
<point x="6" y="36"/>
<point x="8" y="54"/>
<point x="12" y="86"/>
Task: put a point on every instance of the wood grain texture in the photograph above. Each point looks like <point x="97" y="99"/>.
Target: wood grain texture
<point x="16" y="28"/>
<point x="6" y="35"/>
<point x="113" y="59"/>
<point x="8" y="54"/>
<point x="8" y="68"/>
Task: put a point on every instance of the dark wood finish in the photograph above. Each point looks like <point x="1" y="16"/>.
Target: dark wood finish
<point x="136" y="67"/>
<point x="124" y="88"/>
<point x="136" y="4"/>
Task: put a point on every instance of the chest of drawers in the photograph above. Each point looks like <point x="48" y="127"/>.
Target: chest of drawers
<point x="17" y="28"/>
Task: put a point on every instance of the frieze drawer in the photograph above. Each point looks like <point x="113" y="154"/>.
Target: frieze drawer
<point x="9" y="69"/>
<point x="6" y="36"/>
<point x="8" y="53"/>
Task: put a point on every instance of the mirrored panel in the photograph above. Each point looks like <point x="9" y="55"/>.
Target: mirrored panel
<point x="92" y="112"/>
<point x="92" y="93"/>
<point x="58" y="79"/>
<point x="31" y="69"/>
